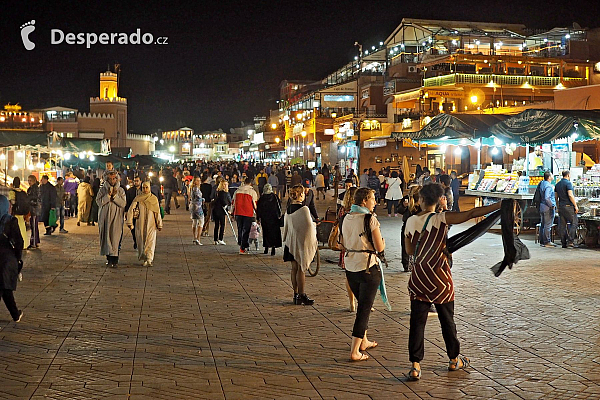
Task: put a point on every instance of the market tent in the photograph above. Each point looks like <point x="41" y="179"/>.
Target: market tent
<point x="15" y="138"/>
<point x="535" y="126"/>
<point x="96" y="146"/>
<point x="454" y="128"/>
<point x="100" y="162"/>
<point x="146" y="160"/>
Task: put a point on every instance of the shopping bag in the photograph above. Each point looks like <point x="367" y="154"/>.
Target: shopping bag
<point x="52" y="218"/>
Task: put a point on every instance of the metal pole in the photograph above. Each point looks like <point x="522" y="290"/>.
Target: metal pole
<point x="479" y="154"/>
<point x="526" y="160"/>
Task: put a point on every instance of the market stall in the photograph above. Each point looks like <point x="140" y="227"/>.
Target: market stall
<point x="552" y="133"/>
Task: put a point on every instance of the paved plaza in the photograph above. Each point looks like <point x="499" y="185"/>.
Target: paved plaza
<point x="206" y="322"/>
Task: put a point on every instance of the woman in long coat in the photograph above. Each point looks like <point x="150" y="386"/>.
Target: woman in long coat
<point x="85" y="195"/>
<point x="268" y="214"/>
<point x="11" y="250"/>
<point x="94" y="209"/>
<point x="147" y="212"/>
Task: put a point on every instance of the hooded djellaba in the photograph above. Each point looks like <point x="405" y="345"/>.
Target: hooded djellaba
<point x="146" y="211"/>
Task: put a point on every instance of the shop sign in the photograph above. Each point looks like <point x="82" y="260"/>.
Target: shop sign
<point x="329" y="132"/>
<point x="373" y="144"/>
<point x="448" y="94"/>
<point x="364" y="94"/>
<point x="298" y="128"/>
<point x="370" y="125"/>
<point x="389" y="88"/>
<point x="406" y="123"/>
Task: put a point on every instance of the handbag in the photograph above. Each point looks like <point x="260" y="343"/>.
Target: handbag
<point x="136" y="211"/>
<point x="52" y="218"/>
<point x="412" y="258"/>
<point x="281" y="215"/>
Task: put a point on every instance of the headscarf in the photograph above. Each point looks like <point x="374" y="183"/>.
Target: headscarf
<point x="148" y="199"/>
<point x="4" y="215"/>
<point x="267" y="189"/>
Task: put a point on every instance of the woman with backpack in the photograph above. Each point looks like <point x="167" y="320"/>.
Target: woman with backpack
<point x="345" y="209"/>
<point x="20" y="206"/>
<point x="362" y="265"/>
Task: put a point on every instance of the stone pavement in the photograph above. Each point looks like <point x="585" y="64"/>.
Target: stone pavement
<point x="205" y="322"/>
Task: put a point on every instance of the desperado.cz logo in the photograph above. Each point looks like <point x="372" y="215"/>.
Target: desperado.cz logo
<point x="89" y="39"/>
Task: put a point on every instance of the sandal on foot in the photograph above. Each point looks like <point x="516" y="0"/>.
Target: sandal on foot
<point x="453" y="366"/>
<point x="372" y="346"/>
<point x="363" y="357"/>
<point x="412" y="377"/>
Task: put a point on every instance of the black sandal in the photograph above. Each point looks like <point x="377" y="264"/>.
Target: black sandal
<point x="412" y="377"/>
<point x="453" y="366"/>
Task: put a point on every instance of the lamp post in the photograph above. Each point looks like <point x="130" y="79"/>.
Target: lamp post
<point x="303" y="133"/>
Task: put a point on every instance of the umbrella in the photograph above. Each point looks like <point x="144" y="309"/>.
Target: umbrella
<point x="405" y="169"/>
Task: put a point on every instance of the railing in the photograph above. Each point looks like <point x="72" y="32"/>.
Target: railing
<point x="509" y="80"/>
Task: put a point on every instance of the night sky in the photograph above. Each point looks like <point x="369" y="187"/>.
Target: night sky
<point x="224" y="61"/>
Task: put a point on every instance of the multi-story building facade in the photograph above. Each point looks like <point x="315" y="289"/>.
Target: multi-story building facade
<point x="423" y="68"/>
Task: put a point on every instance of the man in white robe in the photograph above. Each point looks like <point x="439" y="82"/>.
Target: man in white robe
<point x="111" y="205"/>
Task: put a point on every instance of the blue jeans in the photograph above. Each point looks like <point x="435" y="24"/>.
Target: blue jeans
<point x="547" y="219"/>
<point x="61" y="213"/>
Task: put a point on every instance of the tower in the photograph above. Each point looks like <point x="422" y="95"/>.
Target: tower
<point x="113" y="106"/>
<point x="108" y="85"/>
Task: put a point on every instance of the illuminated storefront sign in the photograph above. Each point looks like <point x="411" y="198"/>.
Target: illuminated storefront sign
<point x="370" y="125"/>
<point x="373" y="144"/>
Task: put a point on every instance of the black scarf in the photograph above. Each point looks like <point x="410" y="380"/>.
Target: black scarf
<point x="514" y="249"/>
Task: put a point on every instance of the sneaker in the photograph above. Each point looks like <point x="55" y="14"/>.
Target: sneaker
<point x="242" y="251"/>
<point x="20" y="316"/>
<point x="305" y="300"/>
<point x="64" y="231"/>
<point x="216" y="243"/>
<point x="395" y="215"/>
<point x="432" y="310"/>
<point x="549" y="245"/>
<point x="222" y="243"/>
<point x="389" y="215"/>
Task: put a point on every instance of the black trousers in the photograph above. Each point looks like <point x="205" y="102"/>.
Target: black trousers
<point x="133" y="234"/>
<point x="243" y="224"/>
<point x="405" y="257"/>
<point x="567" y="215"/>
<point x="364" y="287"/>
<point x="416" y="335"/>
<point x="11" y="305"/>
<point x="219" y="227"/>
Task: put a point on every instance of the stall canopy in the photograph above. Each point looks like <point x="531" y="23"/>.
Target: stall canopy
<point x="15" y="138"/>
<point x="146" y="160"/>
<point x="454" y="128"/>
<point x="100" y="162"/>
<point x="96" y="146"/>
<point x="543" y="126"/>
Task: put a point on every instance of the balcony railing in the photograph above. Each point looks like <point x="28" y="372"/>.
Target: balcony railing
<point x="509" y="80"/>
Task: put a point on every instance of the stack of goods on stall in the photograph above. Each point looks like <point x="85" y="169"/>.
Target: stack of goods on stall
<point x="499" y="181"/>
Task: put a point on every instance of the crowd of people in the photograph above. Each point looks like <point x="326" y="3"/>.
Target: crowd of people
<point x="253" y="194"/>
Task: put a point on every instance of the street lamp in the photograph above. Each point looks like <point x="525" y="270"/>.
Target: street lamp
<point x="273" y="126"/>
<point x="277" y="140"/>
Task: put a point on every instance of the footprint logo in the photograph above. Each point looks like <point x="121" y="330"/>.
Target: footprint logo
<point x="26" y="29"/>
